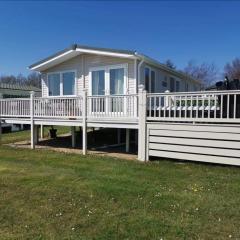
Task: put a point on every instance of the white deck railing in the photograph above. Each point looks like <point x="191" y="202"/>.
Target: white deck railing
<point x="115" y="106"/>
<point x="58" y="107"/>
<point x="207" y="106"/>
<point x="18" y="107"/>
<point x="112" y="106"/>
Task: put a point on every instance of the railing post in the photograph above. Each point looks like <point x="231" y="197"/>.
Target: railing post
<point x="33" y="132"/>
<point x="168" y="99"/>
<point x="142" y="110"/>
<point x="1" y="96"/>
<point x="84" y="123"/>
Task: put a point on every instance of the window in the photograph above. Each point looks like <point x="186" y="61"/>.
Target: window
<point x="98" y="82"/>
<point x="186" y="87"/>
<point x="62" y="83"/>
<point x="147" y="79"/>
<point x="116" y="81"/>
<point x="153" y="81"/>
<point x="177" y="86"/>
<point x="172" y="84"/>
<point x="150" y="77"/>
<point x="68" y="79"/>
<point x="164" y="82"/>
<point x="54" y="84"/>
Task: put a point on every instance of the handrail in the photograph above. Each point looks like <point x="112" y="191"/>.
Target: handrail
<point x="205" y="106"/>
<point x="112" y="96"/>
<point x="195" y="93"/>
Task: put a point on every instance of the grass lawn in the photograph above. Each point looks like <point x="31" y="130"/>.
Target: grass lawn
<point x="51" y="195"/>
<point x="25" y="135"/>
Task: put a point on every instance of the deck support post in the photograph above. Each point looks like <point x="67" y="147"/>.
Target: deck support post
<point x="1" y="96"/>
<point x="119" y="135"/>
<point x="36" y="134"/>
<point x="84" y="123"/>
<point x="127" y="140"/>
<point x="73" y="133"/>
<point x="41" y="131"/>
<point x="33" y="132"/>
<point x="142" y="124"/>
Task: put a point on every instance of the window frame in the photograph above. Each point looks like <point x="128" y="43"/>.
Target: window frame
<point x="165" y="82"/>
<point x="150" y="78"/>
<point x="179" y="86"/>
<point x="61" y="83"/>
<point x="172" y="83"/>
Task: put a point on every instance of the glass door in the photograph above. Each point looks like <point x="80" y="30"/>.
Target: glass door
<point x="116" y="90"/>
<point x="98" y="90"/>
<point x="107" y="86"/>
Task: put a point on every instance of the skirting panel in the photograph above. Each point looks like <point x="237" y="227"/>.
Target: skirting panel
<point x="205" y="143"/>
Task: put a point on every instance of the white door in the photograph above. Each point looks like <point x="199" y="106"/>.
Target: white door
<point x="107" y="85"/>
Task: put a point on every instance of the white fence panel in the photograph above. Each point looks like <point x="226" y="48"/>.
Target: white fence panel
<point x="214" y="144"/>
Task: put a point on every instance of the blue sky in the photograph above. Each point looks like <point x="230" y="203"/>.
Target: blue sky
<point x="181" y="30"/>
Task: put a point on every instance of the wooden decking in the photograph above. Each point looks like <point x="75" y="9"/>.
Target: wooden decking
<point x="136" y="111"/>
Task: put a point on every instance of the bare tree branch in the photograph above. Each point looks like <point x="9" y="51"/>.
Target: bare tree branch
<point x="205" y="72"/>
<point x="232" y="70"/>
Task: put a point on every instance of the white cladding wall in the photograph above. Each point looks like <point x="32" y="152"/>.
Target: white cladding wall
<point x="82" y="63"/>
<point x="195" y="142"/>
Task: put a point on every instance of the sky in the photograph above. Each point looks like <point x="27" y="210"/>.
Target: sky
<point x="204" y="31"/>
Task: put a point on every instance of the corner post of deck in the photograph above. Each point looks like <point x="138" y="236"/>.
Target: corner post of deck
<point x="33" y="130"/>
<point x="142" y="102"/>
<point x="1" y="96"/>
<point x="84" y="122"/>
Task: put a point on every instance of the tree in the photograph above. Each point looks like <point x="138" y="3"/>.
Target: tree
<point x="8" y="79"/>
<point x="232" y="70"/>
<point x="170" y="64"/>
<point x="33" y="79"/>
<point x="205" y="72"/>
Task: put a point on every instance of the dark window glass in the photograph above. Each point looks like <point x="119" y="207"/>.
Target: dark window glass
<point x="54" y="84"/>
<point x="68" y="83"/>
<point x="147" y="79"/>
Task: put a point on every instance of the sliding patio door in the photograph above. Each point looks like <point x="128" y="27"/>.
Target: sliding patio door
<point x="107" y="85"/>
<point x="98" y="90"/>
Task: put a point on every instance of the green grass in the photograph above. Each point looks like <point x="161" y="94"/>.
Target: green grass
<point x="25" y="135"/>
<point x="50" y="195"/>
